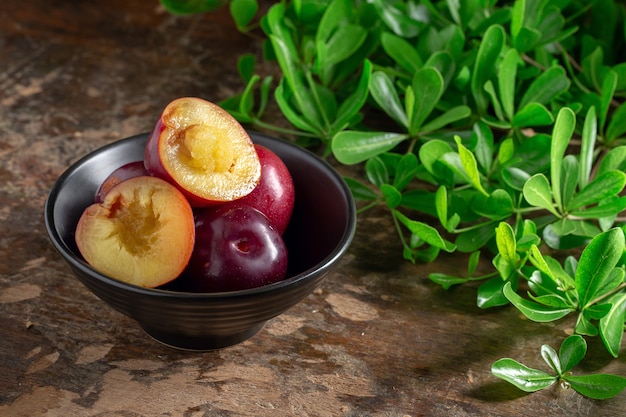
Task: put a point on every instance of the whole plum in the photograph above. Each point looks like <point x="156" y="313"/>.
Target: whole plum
<point x="126" y="171"/>
<point x="274" y="196"/>
<point x="236" y="248"/>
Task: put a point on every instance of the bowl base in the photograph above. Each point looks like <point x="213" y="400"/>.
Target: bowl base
<point x="202" y="343"/>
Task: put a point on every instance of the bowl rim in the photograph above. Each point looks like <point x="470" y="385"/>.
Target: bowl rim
<point x="322" y="267"/>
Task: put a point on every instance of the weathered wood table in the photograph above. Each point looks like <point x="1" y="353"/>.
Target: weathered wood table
<point x="376" y="339"/>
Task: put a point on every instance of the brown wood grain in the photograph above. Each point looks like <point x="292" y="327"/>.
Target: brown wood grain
<point x="377" y="339"/>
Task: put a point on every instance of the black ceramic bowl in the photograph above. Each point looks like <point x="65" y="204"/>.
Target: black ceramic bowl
<point x="320" y="231"/>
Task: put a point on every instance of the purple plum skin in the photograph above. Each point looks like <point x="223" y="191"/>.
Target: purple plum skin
<point x="236" y="248"/>
<point x="126" y="171"/>
<point x="274" y="196"/>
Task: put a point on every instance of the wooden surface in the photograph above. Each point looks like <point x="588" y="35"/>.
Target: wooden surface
<point x="377" y="339"/>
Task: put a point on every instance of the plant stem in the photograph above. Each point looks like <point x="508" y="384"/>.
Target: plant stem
<point x="607" y="295"/>
<point x="259" y="123"/>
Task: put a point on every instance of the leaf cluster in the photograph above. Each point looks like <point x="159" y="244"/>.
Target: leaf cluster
<point x="571" y="352"/>
<point x="485" y="127"/>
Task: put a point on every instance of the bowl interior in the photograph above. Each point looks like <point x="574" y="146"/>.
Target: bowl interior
<point x="320" y="230"/>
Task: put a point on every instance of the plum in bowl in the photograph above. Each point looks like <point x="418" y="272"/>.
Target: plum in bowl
<point x="319" y="233"/>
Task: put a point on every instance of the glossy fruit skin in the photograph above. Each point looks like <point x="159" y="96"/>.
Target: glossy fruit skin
<point x="126" y="171"/>
<point x="236" y="248"/>
<point x="274" y="196"/>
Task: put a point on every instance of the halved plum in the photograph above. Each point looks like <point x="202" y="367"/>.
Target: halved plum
<point x="204" y="151"/>
<point x="142" y="233"/>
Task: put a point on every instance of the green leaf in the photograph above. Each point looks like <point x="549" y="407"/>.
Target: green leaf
<point x="360" y="191"/>
<point x="489" y="293"/>
<point x="310" y="10"/>
<point x="538" y="193"/>
<point x="485" y="143"/>
<point x="441" y="204"/>
<point x="609" y="207"/>
<point x="592" y="66"/>
<point x="617" y="124"/>
<point x="336" y="13"/>
<point x="527" y="240"/>
<point x="472" y="263"/>
<point x="550" y="356"/>
<point x="246" y="102"/>
<point x="376" y="171"/>
<point x="606" y="185"/>
<point x="584" y="326"/>
<point x="551" y="268"/>
<point x="293" y="79"/>
<point x="552" y="25"/>
<point x="518" y="15"/>
<point x="443" y="62"/>
<point x="453" y="115"/>
<point x="431" y="152"/>
<point x="485" y="63"/>
<point x="427" y="87"/>
<point x="568" y="226"/>
<point x="526" y="39"/>
<point x="601" y="309"/>
<point x="515" y="178"/>
<point x="612" y="325"/>
<point x="470" y="166"/>
<point x="609" y="84"/>
<point x="525" y="378"/>
<point x="569" y="178"/>
<point x="398" y="20"/>
<point x="282" y="99"/>
<point x="243" y="11"/>
<point x="546" y="86"/>
<point x="614" y="159"/>
<point x="550" y="300"/>
<point x="264" y="93"/>
<point x="572" y="351"/>
<point x="532" y="115"/>
<point x="405" y="171"/>
<point x="475" y="239"/>
<point x="393" y="197"/>
<point x="506" y="81"/>
<point x="533" y="154"/>
<point x="245" y="66"/>
<point x="588" y="143"/>
<point x="427" y="233"/>
<point x="497" y="107"/>
<point x="506" y="271"/>
<point x="343" y="43"/>
<point x="183" y="7"/>
<point x="446" y="281"/>
<point x="620" y="70"/>
<point x="505" y="241"/>
<point x="385" y="94"/>
<point x="498" y="205"/>
<point x="561" y="135"/>
<point x="596" y="263"/>
<point x="352" y="147"/>
<point x="534" y="311"/>
<point x="420" y="200"/>
<point x="353" y="103"/>
<point x="597" y="386"/>
<point x="402" y="52"/>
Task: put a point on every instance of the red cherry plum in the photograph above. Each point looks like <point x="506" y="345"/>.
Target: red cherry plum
<point x="274" y="195"/>
<point x="236" y="248"/>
